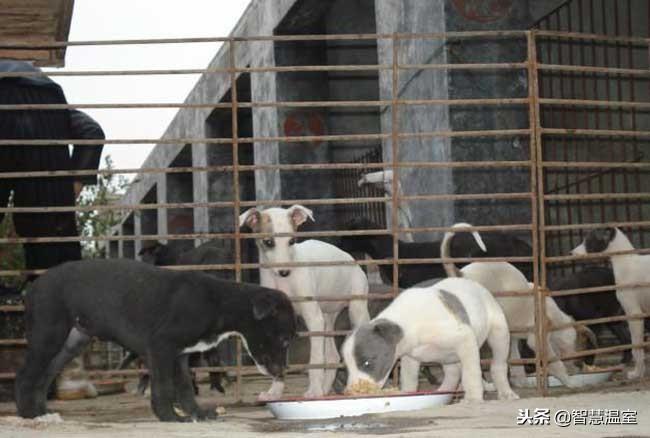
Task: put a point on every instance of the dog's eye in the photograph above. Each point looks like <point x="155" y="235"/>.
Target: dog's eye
<point x="268" y="243"/>
<point x="292" y="241"/>
<point x="366" y="364"/>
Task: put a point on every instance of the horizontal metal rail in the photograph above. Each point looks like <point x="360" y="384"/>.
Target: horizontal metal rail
<point x="17" y="45"/>
<point x="595" y="132"/>
<point x="289" y="139"/>
<point x="252" y="168"/>
<point x="231" y="266"/>
<point x="224" y="204"/>
<point x="286" y="104"/>
<point x="206" y="235"/>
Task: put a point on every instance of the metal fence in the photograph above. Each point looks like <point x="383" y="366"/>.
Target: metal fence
<point x="552" y="172"/>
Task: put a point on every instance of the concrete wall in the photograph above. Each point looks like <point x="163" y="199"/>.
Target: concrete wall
<point x="413" y="16"/>
<point x="265" y="17"/>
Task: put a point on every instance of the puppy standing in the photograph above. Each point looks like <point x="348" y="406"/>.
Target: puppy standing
<point x="628" y="269"/>
<point x="306" y="282"/>
<point x="519" y="311"/>
<point x="445" y="323"/>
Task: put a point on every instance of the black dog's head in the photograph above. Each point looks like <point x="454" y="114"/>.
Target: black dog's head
<point x="275" y="328"/>
<point x="598" y="240"/>
<point x="158" y="254"/>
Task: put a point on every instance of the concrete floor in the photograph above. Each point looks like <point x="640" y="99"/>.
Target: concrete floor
<point x="130" y="416"/>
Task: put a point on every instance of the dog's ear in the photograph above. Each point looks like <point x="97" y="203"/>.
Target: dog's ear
<point x="264" y="305"/>
<point x="299" y="215"/>
<point x="251" y="218"/>
<point x="390" y="331"/>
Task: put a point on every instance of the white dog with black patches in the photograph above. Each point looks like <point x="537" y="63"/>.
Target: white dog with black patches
<point x="445" y="323"/>
<point x="316" y="281"/>
<point x="519" y="310"/>
<point x="628" y="269"/>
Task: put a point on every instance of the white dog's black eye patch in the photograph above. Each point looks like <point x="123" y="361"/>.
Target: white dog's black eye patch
<point x="598" y="240"/>
<point x="374" y="348"/>
<point x="453" y="304"/>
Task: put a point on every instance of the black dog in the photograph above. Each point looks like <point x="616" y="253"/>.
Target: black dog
<point x="593" y="305"/>
<point x="156" y="313"/>
<point x="463" y="245"/>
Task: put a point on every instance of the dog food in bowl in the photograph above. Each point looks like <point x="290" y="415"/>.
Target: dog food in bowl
<point x="366" y="387"/>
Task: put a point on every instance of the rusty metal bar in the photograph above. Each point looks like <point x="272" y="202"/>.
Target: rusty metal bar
<point x="591" y="37"/>
<point x="596" y="132"/>
<point x="290" y="139"/>
<point x="322" y="201"/>
<point x="285" y="104"/>
<point x="485" y="228"/>
<point x="234" y="117"/>
<point x="395" y="120"/>
<point x="538" y="239"/>
<point x="600" y="321"/>
<point x="18" y="45"/>
<point x="322" y="37"/>
<point x="596" y="103"/>
<point x="590" y="69"/>
<point x="231" y="266"/>
<point x="252" y="168"/>
<point x="604" y="350"/>
<point x="329" y="68"/>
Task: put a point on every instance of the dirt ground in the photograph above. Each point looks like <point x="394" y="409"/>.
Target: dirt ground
<point x="128" y="415"/>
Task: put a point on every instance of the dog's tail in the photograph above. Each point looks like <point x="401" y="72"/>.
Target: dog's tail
<point x="445" y="249"/>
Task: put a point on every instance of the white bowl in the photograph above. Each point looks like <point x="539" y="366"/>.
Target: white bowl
<point x="582" y="379"/>
<point x="346" y="406"/>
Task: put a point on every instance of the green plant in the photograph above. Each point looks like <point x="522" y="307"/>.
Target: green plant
<point x="12" y="256"/>
<point x="96" y="223"/>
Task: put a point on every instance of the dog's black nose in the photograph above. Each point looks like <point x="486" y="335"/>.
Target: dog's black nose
<point x="284" y="273"/>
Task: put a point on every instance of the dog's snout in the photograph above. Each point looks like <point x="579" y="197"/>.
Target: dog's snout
<point x="284" y="272"/>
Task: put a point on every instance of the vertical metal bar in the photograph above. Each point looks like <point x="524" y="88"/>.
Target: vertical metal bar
<point x="635" y="146"/>
<point x="236" y="200"/>
<point x="394" y="163"/>
<point x="597" y="111"/>
<point x="583" y="80"/>
<point x="619" y="89"/>
<point x="563" y="116"/>
<point x="537" y="216"/>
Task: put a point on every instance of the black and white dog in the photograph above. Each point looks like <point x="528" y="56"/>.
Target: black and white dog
<point x="628" y="269"/>
<point x="445" y="323"/>
<point x="463" y="245"/>
<point x="211" y="252"/>
<point x="158" y="314"/>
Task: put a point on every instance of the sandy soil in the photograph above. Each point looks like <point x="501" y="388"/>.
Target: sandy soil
<point x="128" y="415"/>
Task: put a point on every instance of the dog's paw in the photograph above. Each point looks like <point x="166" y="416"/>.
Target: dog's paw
<point x="488" y="386"/>
<point x="508" y="395"/>
<point x="205" y="415"/>
<point x="312" y="393"/>
<point x="471" y="400"/>
<point x="267" y="396"/>
<point x="634" y="374"/>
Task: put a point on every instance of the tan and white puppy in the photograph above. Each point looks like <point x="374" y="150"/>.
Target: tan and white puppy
<point x="628" y="269"/>
<point x="519" y="310"/>
<point x="309" y="281"/>
<point x="445" y="323"/>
